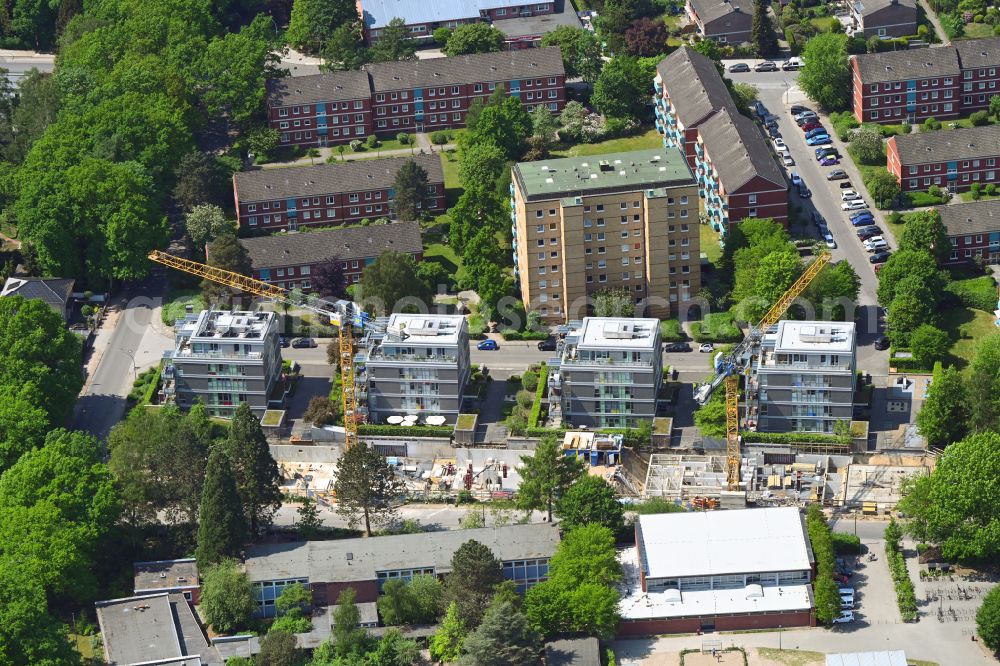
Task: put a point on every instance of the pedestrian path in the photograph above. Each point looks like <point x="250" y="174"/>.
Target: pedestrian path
<point x="421" y="146"/>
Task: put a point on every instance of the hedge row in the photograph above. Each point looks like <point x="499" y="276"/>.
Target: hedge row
<point x="906" y="598"/>
<point x="846" y="544"/>
<point x="511" y="334"/>
<point x="536" y="407"/>
<point x="827" y="597"/>
<point x="405" y="431"/>
<point x="716" y="327"/>
<point x="671" y="331"/>
<point x="908" y="365"/>
<point x="750" y="436"/>
<point x="979" y="293"/>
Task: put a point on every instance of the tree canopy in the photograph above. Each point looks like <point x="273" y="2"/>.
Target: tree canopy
<point x="925" y="231"/>
<point x="475" y="574"/>
<point x="546" y="476"/>
<point x="391" y="284"/>
<point x="944" y="416"/>
<point x="826" y="74"/>
<point x="580" y="50"/>
<point x="256" y="472"/>
<point x="313" y="22"/>
<point x="366" y="487"/>
<point x="221" y="527"/>
<point x="227" y="600"/>
<point x="475" y="37"/>
<point x="504" y="638"/>
<point x="410" y="188"/>
<point x="621" y="89"/>
<point x="590" y="500"/>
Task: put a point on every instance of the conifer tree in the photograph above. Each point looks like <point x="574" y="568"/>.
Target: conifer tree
<point x="221" y="530"/>
<point x="256" y="472"/>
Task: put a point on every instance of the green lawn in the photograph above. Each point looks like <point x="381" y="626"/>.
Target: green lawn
<point x="966" y="327"/>
<point x="710" y="243"/>
<point x="824" y="24"/>
<point x="446" y="256"/>
<point x="792" y="657"/>
<point x="648" y="139"/>
<point x="967" y="196"/>
<point x="977" y="31"/>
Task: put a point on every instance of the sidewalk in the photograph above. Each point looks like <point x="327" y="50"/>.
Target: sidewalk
<point x="938" y="28"/>
<point x="101" y="340"/>
<point x="421" y="145"/>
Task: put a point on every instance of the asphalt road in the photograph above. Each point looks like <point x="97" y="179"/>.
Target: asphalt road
<point x="18" y="64"/>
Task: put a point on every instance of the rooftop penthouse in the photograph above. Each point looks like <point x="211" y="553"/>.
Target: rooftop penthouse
<point x="612" y="341"/>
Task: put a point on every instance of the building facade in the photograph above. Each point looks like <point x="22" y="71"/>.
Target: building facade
<point x="942" y="83"/>
<point x="725" y="21"/>
<point x="610" y="372"/>
<point x="736" y="170"/>
<point x="329" y="567"/>
<point x="804" y="378"/>
<point x="955" y="159"/>
<point x="289" y="260"/>
<point x="328" y="194"/>
<point x="884" y="18"/>
<point x="412" y="96"/>
<point x="224" y="359"/>
<point x="694" y="572"/>
<point x="620" y="220"/>
<point x="422" y="19"/>
<point x="420" y="365"/>
<point x="973" y="230"/>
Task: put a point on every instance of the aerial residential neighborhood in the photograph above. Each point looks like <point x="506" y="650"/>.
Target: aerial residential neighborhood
<point x="573" y="332"/>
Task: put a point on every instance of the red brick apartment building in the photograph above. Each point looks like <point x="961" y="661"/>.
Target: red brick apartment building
<point x="948" y="158"/>
<point x="974" y="231"/>
<point x="738" y="175"/>
<point x="327" y="194"/>
<point x="423" y="18"/>
<point x="941" y="83"/>
<point x="413" y="96"/>
<point x="288" y="260"/>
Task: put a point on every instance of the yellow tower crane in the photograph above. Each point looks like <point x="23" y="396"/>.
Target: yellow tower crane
<point x="729" y="367"/>
<point x="344" y="315"/>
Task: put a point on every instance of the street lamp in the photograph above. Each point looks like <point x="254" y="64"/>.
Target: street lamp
<point x="779" y="638"/>
<point x="135" y="368"/>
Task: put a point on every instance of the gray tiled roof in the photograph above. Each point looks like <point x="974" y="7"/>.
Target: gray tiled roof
<point x="977" y="217"/>
<point x="346" y="560"/>
<point x="869" y="7"/>
<point x="946" y="145"/>
<point x="738" y="151"/>
<point x="330" y="87"/>
<point x="54" y="291"/>
<point x="334" y="178"/>
<point x="979" y="52"/>
<point x="315" y="247"/>
<point x="456" y="70"/>
<point x="710" y="10"/>
<point x="694" y="85"/>
<point x="573" y="652"/>
<point x="906" y="65"/>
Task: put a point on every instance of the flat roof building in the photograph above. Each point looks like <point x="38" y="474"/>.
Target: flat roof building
<point x="224" y="359"/>
<point x="328" y="567"/>
<point x="419" y="365"/>
<point x="614" y="221"/>
<point x="717" y="570"/>
<point x="879" y="658"/>
<point x="804" y="380"/>
<point x="176" y="576"/>
<point x="609" y="373"/>
<point x="153" y="629"/>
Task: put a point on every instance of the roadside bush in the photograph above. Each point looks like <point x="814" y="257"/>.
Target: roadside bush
<point x="403" y="138"/>
<point x="906" y="598"/>
<point x="845" y="544"/>
<point x="843" y="123"/>
<point x="825" y="592"/>
<point x="979" y="293"/>
<point x="356" y="145"/>
<point x="536" y="407"/>
<point x="716" y="327"/>
<point x="979" y="118"/>
<point x="511" y="334"/>
<point x="671" y="331"/>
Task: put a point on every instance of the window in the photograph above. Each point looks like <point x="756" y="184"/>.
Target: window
<point x="283" y="113"/>
<point x="478" y="87"/>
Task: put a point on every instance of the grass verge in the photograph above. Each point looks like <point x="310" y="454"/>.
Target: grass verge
<point x="792" y="657"/>
<point x="648" y="139"/>
<point x="966" y="328"/>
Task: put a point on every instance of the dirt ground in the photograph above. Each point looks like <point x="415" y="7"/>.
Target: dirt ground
<point x="733" y="658"/>
<point x="755" y="657"/>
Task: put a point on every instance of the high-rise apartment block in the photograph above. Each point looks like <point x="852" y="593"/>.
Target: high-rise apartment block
<point x="619" y="220"/>
<point x="804" y="381"/>
<point x="609" y="372"/>
<point x="419" y="365"/>
<point x="224" y="359"/>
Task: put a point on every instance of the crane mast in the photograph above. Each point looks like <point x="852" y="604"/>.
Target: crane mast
<point x="344" y="315"/>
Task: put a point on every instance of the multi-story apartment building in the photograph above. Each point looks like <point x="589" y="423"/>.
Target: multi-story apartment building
<point x="422" y="18"/>
<point x="289" y="260"/>
<point x="804" y="378"/>
<point x="941" y="83"/>
<point x="725" y="21"/>
<point x="954" y="159"/>
<point x="973" y="230"/>
<point x="419" y="365"/>
<point x="320" y="110"/>
<point x="884" y="18"/>
<point x="609" y="373"/>
<point x="224" y="359"/>
<point x="737" y="174"/>
<point x="327" y="194"/>
<point x="620" y="220"/>
<point x="412" y="96"/>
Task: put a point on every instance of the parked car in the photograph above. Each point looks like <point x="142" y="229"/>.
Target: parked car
<point x="844" y="617"/>
<point x="881" y="342"/>
<point x="846" y="603"/>
<point x="770" y="120"/>
<point x="875" y="243"/>
<point x="829" y="160"/>
<point x="808" y="113"/>
<point x="739" y="67"/>
<point x="845" y="185"/>
<point x="857" y="204"/>
<point x="547" y="345"/>
<point x="880" y="257"/>
<point x="779" y="144"/>
<point x="806" y="117"/>
<point x="849" y="195"/>
<point x="818" y="219"/>
<point x="809" y="127"/>
<point x="836" y="174"/>
<point x="818" y="130"/>
<point x="796" y="178"/>
<point x="804" y="191"/>
<point x="772" y="131"/>
<point x="818" y="140"/>
<point x="869" y="232"/>
<point x="863" y="221"/>
<point x="283" y="341"/>
<point x="798" y="108"/>
<point x="676" y="347"/>
<point x="706" y="348"/>
<point x="860" y="213"/>
<point x="304" y="343"/>
<point x="766" y="66"/>
<point x="826" y="151"/>
<point x="488" y="345"/>
<point x="791" y="64"/>
<point x="786" y="159"/>
<point x="828" y="239"/>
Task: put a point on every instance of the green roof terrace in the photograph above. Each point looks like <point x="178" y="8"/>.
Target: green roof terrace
<point x="602" y="174"/>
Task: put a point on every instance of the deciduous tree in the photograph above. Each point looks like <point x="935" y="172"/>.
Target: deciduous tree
<point x="345" y="50"/>
<point x="348" y="636"/>
<point x="646" y="37"/>
<point x="446" y="644"/>
<point x="390" y="284"/>
<point x="825" y="74"/>
<point x="914" y="304"/>
<point x="228" y="253"/>
<point x="366" y="487"/>
<point x="867" y="145"/>
<point x="903" y="264"/>
<point x="221" y="527"/>
<point x="580" y="50"/>
<point x="621" y="90"/>
<point x="474" y="38"/>
<point x="984" y="386"/>
<point x="883" y="187"/>
<point x="929" y="344"/>
<point x="29" y="634"/>
<point x="394" y="43"/>
<point x="944" y="415"/>
<point x="410" y="188"/>
<point x="205" y="223"/>
<point x="925" y="231"/>
<point x="277" y="648"/>
<point x="328" y="279"/>
<point x="313" y="22"/>
<point x="591" y="500"/>
<point x="546" y="476"/>
<point x="226" y="597"/>
<point x="475" y="573"/>
<point x="201" y="179"/>
<point x="256" y="472"/>
<point x="988" y="615"/>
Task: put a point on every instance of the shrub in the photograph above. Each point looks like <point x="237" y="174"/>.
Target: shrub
<point x="523" y="399"/>
<point x="931" y="125"/>
<point x="845" y="544"/>
<point x="440" y="138"/>
<point x="825" y="587"/>
<point x="404" y="431"/>
<point x="536" y="408"/>
<point x="980" y="118"/>
<point x="906" y="598"/>
<point x="530" y="380"/>
<point x="403" y="138"/>
<point x="934" y="191"/>
<point x="372" y="141"/>
<point x="356" y="145"/>
<point x="979" y="293"/>
<point x="990" y="189"/>
<point x="751" y="436"/>
<point x="975" y="191"/>
<point x="716" y="327"/>
<point x="671" y="331"/>
<point x="511" y="334"/>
